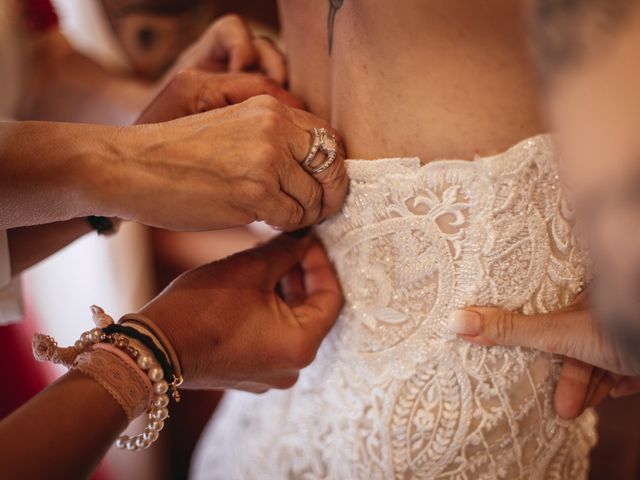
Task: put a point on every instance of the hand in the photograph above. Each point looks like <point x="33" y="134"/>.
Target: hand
<point x="197" y="91"/>
<point x="228" y="45"/>
<point x="592" y="365"/>
<point x="232" y="330"/>
<point x="219" y="169"/>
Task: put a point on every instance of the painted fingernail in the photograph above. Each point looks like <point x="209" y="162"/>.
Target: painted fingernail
<point x="563" y="422"/>
<point x="465" y="322"/>
<point x="303" y="232"/>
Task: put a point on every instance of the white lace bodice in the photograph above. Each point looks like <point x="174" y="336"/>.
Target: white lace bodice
<point x="392" y="394"/>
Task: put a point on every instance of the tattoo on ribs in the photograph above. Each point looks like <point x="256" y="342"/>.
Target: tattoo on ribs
<point x="334" y="5"/>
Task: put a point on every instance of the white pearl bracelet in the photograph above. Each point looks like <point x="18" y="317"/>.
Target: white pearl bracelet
<point x="97" y="352"/>
<point x="158" y="411"/>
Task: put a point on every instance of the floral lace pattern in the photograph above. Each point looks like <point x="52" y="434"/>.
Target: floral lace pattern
<point x="392" y="394"/>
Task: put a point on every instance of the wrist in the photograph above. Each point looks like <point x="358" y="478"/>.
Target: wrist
<point x="102" y="181"/>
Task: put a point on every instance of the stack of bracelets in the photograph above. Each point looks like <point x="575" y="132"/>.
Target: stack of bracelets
<point x="133" y="360"/>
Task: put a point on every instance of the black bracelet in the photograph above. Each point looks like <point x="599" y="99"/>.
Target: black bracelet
<point x="102" y="225"/>
<point x="131" y="332"/>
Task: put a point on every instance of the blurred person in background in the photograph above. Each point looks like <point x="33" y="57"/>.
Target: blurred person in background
<point x="587" y="54"/>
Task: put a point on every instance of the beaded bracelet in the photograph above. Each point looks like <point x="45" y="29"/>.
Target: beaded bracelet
<point x="46" y="349"/>
<point x="147" y="342"/>
<point x="141" y="322"/>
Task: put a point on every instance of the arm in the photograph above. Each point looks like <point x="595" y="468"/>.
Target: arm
<point x="242" y="335"/>
<point x="67" y="86"/>
<point x="180" y="175"/>
<point x="30" y="245"/>
<point x="74" y="422"/>
<point x="52" y="172"/>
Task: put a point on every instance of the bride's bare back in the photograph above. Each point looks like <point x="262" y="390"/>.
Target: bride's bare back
<point x="426" y="78"/>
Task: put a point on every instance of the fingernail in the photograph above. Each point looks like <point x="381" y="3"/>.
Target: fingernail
<point x="303" y="232"/>
<point x="615" y="393"/>
<point x="465" y="322"/>
<point x="563" y="422"/>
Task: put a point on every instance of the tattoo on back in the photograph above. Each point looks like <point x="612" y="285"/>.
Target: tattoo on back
<point x="334" y="5"/>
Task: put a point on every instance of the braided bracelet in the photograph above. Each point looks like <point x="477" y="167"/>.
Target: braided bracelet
<point x="98" y="343"/>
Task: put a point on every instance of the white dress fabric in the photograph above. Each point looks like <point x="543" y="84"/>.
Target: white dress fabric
<point x="392" y="394"/>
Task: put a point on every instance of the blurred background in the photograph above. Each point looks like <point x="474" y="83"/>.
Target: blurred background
<point x="135" y="41"/>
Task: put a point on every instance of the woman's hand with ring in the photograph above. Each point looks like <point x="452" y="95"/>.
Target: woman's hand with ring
<point x="222" y="168"/>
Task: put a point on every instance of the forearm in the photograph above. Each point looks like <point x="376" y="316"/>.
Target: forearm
<point x="52" y="172"/>
<point x="30" y="245"/>
<point x="61" y="433"/>
<point x="67" y="86"/>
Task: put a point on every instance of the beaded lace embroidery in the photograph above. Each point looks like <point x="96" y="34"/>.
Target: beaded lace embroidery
<point x="391" y="393"/>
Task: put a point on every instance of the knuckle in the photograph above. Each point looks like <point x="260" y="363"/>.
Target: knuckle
<point x="269" y="120"/>
<point x="338" y="175"/>
<point x="231" y="20"/>
<point x="296" y="214"/>
<point x="315" y="197"/>
<point x="255" y="192"/>
<point x="286" y="382"/>
<point x="267" y="155"/>
<point x="184" y="78"/>
<point x="502" y="328"/>
<point x="302" y="353"/>
<point x="268" y="102"/>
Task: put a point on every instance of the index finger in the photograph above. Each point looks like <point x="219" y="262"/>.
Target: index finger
<point x="321" y="307"/>
<point x="233" y="41"/>
<point x="271" y="60"/>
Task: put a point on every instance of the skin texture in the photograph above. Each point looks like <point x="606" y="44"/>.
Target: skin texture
<point x="241" y="335"/>
<point x="253" y="174"/>
<point x="226" y="46"/>
<point x="598" y="138"/>
<point x="251" y="338"/>
<point x="431" y="79"/>
<point x="52" y="171"/>
<point x="82" y="421"/>
<point x="91" y="169"/>
<point x="30" y="245"/>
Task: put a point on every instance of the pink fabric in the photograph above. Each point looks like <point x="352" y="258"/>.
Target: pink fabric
<point x="126" y="358"/>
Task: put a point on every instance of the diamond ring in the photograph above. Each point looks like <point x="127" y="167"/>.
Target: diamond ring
<point x="323" y="142"/>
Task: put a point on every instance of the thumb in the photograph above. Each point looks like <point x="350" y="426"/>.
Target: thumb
<point x="554" y="332"/>
<point x="277" y="257"/>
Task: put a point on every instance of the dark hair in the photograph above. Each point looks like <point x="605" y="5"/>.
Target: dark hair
<point x="564" y="32"/>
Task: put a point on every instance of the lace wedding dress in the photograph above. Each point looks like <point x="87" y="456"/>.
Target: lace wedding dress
<point x="392" y="394"/>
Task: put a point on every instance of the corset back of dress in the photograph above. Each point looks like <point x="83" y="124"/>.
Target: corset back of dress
<point x="392" y="394"/>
